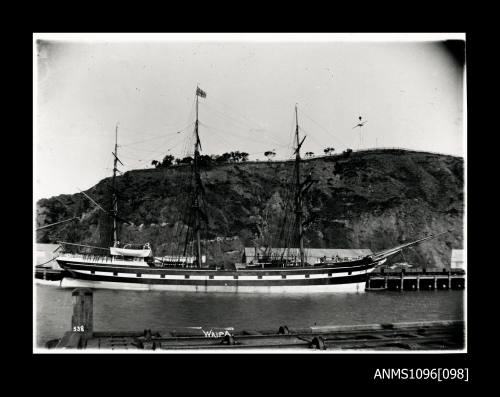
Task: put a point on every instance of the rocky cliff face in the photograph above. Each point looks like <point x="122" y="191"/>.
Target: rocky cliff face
<point x="373" y="199"/>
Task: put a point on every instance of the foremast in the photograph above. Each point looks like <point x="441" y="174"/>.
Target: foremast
<point x="114" y="211"/>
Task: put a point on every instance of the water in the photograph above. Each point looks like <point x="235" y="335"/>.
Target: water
<point x="120" y="310"/>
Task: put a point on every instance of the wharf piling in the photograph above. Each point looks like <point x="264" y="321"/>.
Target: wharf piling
<point x="82" y="320"/>
<point x="416" y="280"/>
<point x="433" y="335"/>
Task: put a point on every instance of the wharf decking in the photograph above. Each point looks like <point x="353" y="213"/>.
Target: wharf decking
<point x="433" y="335"/>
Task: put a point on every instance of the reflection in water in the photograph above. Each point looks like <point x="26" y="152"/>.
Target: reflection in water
<point x="138" y="310"/>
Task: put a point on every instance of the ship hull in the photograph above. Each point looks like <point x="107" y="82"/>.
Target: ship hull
<point x="335" y="278"/>
<point x="351" y="287"/>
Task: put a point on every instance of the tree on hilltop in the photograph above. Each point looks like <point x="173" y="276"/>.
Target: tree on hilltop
<point x="168" y="160"/>
<point x="270" y="154"/>
<point x="329" y="151"/>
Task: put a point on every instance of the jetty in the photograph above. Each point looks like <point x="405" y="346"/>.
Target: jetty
<point x="416" y="280"/>
<point x="433" y="335"/>
<point x="49" y="274"/>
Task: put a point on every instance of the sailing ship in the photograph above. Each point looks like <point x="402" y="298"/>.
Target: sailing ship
<point x="135" y="267"/>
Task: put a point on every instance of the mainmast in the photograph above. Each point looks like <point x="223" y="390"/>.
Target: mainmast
<point x="196" y="200"/>
<point x="298" y="190"/>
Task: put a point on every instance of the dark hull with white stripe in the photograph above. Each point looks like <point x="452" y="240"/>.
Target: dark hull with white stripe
<point x="340" y="277"/>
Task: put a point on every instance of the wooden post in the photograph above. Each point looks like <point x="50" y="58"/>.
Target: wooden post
<point x="402" y="280"/>
<point x="385" y="282"/>
<point x="449" y="279"/>
<point x="82" y="319"/>
<point x="435" y="282"/>
<point x="418" y="283"/>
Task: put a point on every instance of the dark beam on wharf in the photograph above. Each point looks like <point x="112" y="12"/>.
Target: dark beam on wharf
<point x="432" y="335"/>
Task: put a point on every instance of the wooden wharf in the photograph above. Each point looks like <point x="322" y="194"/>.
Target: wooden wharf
<point x="433" y="335"/>
<point x="416" y="280"/>
<point x="49" y="274"/>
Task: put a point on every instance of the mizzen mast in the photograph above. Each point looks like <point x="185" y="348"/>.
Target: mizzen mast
<point x="298" y="190"/>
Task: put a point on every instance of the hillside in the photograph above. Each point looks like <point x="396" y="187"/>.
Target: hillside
<point x="372" y="199"/>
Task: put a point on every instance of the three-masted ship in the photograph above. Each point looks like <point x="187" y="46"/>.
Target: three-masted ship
<point x="135" y="267"/>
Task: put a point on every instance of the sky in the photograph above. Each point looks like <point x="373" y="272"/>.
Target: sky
<point x="410" y="93"/>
